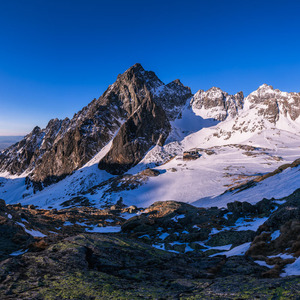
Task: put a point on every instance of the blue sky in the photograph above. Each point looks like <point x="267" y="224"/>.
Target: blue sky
<point x="56" y="56"/>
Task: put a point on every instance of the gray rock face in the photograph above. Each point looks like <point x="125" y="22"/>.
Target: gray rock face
<point x="262" y="109"/>
<point x="217" y="104"/>
<point x="64" y="145"/>
<point x="272" y="103"/>
<point x="171" y="97"/>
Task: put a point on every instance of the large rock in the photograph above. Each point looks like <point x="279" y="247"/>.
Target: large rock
<point x="97" y="267"/>
<point x="234" y="238"/>
<point x="179" y="221"/>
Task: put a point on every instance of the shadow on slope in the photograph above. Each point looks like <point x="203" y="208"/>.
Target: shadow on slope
<point x="188" y="122"/>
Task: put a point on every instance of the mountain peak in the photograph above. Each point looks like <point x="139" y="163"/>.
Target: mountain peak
<point x="272" y="103"/>
<point x="177" y="85"/>
<point x="217" y="104"/>
<point x="137" y="72"/>
<point x="265" y="87"/>
<point x="177" y="81"/>
<point x="136" y="68"/>
<point x="214" y="88"/>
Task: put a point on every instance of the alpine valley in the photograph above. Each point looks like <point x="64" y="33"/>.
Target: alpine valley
<point x="152" y="192"/>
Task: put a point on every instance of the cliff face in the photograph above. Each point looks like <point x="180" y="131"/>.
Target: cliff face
<point x="146" y="127"/>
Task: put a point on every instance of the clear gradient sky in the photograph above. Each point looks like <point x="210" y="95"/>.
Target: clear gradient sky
<point x="57" y="55"/>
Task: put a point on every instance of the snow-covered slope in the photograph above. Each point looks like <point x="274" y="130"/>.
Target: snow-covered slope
<point x="217" y="169"/>
<point x="14" y="190"/>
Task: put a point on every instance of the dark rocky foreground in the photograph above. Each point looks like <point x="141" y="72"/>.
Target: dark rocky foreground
<point x="69" y="261"/>
<point x="99" y="266"/>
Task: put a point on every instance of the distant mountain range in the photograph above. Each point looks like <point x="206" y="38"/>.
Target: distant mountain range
<point x="6" y="141"/>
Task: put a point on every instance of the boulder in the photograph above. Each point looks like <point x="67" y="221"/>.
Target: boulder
<point x="231" y="237"/>
<point x="2" y="204"/>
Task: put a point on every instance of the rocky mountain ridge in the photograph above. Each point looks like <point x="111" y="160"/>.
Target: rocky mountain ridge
<point x="272" y="103"/>
<point x="65" y="145"/>
<point x="135" y="138"/>
<point x="269" y="103"/>
<point x="217" y="104"/>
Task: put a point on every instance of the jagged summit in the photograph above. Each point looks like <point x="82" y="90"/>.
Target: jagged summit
<point x="179" y="87"/>
<point x="217" y="104"/>
<point x="265" y="86"/>
<point x="136" y="66"/>
<point x="134" y="69"/>
<point x="274" y="104"/>
<point x="176" y="81"/>
<point x="138" y="72"/>
<point x="170" y="97"/>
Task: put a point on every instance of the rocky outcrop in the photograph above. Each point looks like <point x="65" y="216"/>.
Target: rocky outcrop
<point x="171" y="97"/>
<point x="277" y="242"/>
<point x="265" y="102"/>
<point x="65" y="145"/>
<point x="146" y="127"/>
<point x="216" y="104"/>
